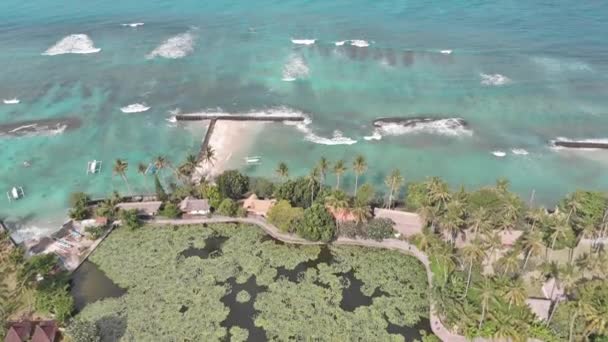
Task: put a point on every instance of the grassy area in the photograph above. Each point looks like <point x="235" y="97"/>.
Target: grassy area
<point x="173" y="297"/>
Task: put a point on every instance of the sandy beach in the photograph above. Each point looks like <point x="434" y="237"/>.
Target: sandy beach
<point x="231" y="141"/>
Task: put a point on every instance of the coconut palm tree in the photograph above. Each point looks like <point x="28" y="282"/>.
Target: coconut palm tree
<point x="452" y="221"/>
<point x="472" y="253"/>
<point x="438" y="192"/>
<point x="282" y="171"/>
<point x="487" y="296"/>
<point x="492" y="242"/>
<point x="479" y="221"/>
<point x="559" y="231"/>
<point x="208" y="156"/>
<point x="313" y="180"/>
<point x="444" y="257"/>
<point x="573" y="204"/>
<point x="596" y="318"/>
<point x="339" y="169"/>
<point x="515" y="292"/>
<point x="538" y="216"/>
<point x="502" y="185"/>
<point x="337" y="200"/>
<point x="394" y="181"/>
<point x="323" y="166"/>
<point x="141" y="169"/>
<point x="361" y="212"/>
<point x="532" y="244"/>
<point x="508" y="263"/>
<point x="190" y="164"/>
<point x="509" y="215"/>
<point x="424" y="241"/>
<point x="430" y="215"/>
<point x="120" y="168"/>
<point x="359" y="166"/>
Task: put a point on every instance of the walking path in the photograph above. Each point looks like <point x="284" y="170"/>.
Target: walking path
<point x="393" y="244"/>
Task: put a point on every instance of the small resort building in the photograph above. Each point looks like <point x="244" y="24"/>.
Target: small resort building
<point x="540" y="307"/>
<point x="147" y="209"/>
<point x="193" y="206"/>
<point x="257" y="206"/>
<point x="34" y="331"/>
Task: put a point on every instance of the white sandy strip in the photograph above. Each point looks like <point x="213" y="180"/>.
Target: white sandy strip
<point x="230" y="141"/>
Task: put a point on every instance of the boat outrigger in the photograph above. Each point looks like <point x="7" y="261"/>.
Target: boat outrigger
<point x="253" y="159"/>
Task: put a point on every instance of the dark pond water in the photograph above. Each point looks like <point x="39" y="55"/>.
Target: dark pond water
<point x="410" y="333"/>
<point x="324" y="256"/>
<point x="212" y="249"/>
<point x="352" y="297"/>
<point x="89" y="284"/>
<point x="242" y="314"/>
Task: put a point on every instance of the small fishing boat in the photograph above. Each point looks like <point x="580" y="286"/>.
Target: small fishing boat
<point x="15" y="193"/>
<point x="93" y="167"/>
<point x="253" y="159"/>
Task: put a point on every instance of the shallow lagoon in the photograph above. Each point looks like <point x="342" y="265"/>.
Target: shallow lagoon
<point x="236" y="284"/>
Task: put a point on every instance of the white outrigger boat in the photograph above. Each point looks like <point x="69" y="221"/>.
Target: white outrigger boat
<point x="253" y="160"/>
<point x="15" y="193"/>
<point x="93" y="167"/>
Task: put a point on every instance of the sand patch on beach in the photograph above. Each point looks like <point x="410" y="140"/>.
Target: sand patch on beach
<point x="231" y="141"/>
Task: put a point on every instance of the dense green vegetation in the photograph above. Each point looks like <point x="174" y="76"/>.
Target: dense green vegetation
<point x="160" y="281"/>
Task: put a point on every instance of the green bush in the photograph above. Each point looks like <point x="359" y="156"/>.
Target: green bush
<point x="298" y="192"/>
<point x="170" y="210"/>
<point x="95" y="232"/>
<point x="262" y="187"/>
<point x="380" y="229"/>
<point x="317" y="224"/>
<point x="80" y="330"/>
<point x="130" y="219"/>
<point x="38" y="264"/>
<point x="228" y="208"/>
<point x="366" y="194"/>
<point x="416" y="195"/>
<point x="232" y="184"/>
<point x="283" y="215"/>
<point x="53" y="296"/>
<point x="78" y="202"/>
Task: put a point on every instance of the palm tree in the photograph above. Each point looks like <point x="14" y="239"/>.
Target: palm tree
<point x="361" y="212"/>
<point x="339" y="170"/>
<point x="120" y="168"/>
<point x="359" y="166"/>
<point x="141" y="169"/>
<point x="429" y="214"/>
<point x="560" y="231"/>
<point x="502" y="185"/>
<point x="424" y="241"/>
<point x="472" y="253"/>
<point x="282" y="171"/>
<point x="479" y="221"/>
<point x="532" y="244"/>
<point x="492" y="242"/>
<point x="323" y="168"/>
<point x="579" y="307"/>
<point x="452" y="222"/>
<point x="509" y="215"/>
<point x="596" y="319"/>
<point x="537" y="216"/>
<point x="393" y="182"/>
<point x="438" y="191"/>
<point x="208" y="156"/>
<point x="487" y="295"/>
<point x="313" y="180"/>
<point x="190" y="164"/>
<point x="573" y="204"/>
<point x="337" y="200"/>
<point x="515" y="293"/>
<point x="509" y="262"/>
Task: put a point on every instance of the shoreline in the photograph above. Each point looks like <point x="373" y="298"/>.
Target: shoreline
<point x="231" y="142"/>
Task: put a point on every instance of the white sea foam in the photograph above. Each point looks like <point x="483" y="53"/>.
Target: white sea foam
<point x="553" y="65"/>
<point x="499" y="154"/>
<point x="175" y="47"/>
<point x="519" y="151"/>
<point x="452" y="127"/>
<point x="11" y="101"/>
<point x="295" y="68"/>
<point x="353" y="42"/>
<point x="36" y="130"/>
<point x="359" y="43"/>
<point x="75" y="43"/>
<point x="446" y="52"/>
<point x="303" y="41"/>
<point x="133" y="24"/>
<point x="134" y="108"/>
<point x="494" y="79"/>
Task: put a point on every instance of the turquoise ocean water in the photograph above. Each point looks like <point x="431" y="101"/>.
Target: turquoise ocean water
<point x="520" y="73"/>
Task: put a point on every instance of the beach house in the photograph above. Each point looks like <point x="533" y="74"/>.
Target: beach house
<point x="193" y="206"/>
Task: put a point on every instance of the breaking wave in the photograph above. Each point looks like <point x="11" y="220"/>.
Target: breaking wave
<point x="553" y="65"/>
<point x="133" y="24"/>
<point x="11" y="101"/>
<point x="175" y="47"/>
<point x="519" y="151"/>
<point x="445" y="52"/>
<point x="134" y="108"/>
<point x="75" y="43"/>
<point x="38" y="127"/>
<point x="295" y="68"/>
<point x="453" y="127"/>
<point x="353" y="42"/>
<point x="303" y="41"/>
<point x="494" y="79"/>
<point x="499" y="154"/>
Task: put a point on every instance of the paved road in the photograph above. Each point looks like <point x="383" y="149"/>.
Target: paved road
<point x="393" y="244"/>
